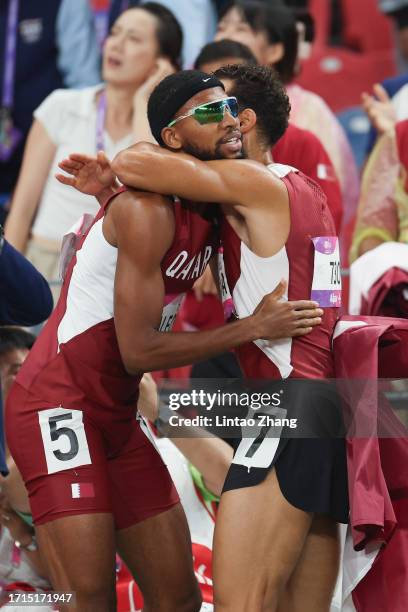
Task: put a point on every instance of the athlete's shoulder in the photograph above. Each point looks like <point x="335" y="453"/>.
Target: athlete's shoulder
<point x="139" y="216"/>
<point x="139" y="202"/>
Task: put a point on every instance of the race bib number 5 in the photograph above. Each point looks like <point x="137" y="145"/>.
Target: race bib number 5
<point x="326" y="286"/>
<point x="170" y="310"/>
<point x="64" y="439"/>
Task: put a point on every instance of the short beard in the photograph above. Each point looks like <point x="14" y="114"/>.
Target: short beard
<point x="204" y="155"/>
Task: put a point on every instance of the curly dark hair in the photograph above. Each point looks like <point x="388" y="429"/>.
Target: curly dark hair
<point x="259" y="88"/>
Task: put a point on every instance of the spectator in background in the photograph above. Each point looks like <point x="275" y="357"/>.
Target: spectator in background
<point x="222" y="53"/>
<point x="392" y="94"/>
<point x="197" y="18"/>
<point x="144" y="45"/>
<point x="20" y="560"/>
<point x="385" y="107"/>
<point x="398" y="11"/>
<point x="271" y="33"/>
<point x="44" y="46"/>
<point x="383" y="209"/>
<point x="15" y="344"/>
<point x="379" y="252"/>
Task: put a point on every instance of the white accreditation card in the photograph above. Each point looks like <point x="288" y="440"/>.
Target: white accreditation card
<point x="326" y="286"/>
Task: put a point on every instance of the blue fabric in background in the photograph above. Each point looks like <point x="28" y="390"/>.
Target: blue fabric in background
<point x="25" y="299"/>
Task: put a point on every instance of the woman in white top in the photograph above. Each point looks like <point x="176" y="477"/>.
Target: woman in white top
<point x="143" y="46"/>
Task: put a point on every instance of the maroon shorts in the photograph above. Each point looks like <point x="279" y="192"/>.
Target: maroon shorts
<point x="85" y="459"/>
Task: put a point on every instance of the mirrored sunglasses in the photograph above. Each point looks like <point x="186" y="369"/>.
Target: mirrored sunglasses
<point x="210" y="112"/>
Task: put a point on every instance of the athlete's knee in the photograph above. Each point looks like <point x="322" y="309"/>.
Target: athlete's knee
<point x="98" y="595"/>
<point x="273" y="594"/>
<point x="188" y="601"/>
<point x="261" y="597"/>
<point x="192" y="603"/>
<point x="274" y="587"/>
<point x="96" y="599"/>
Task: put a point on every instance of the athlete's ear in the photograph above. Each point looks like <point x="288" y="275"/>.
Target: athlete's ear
<point x="171" y="138"/>
<point x="274" y="54"/>
<point x="247" y="119"/>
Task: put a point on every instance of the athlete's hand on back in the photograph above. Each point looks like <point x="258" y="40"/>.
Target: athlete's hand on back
<point x="148" y="402"/>
<point x="276" y="318"/>
<point x="90" y="175"/>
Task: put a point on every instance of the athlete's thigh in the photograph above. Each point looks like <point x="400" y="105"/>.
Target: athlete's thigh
<point x="140" y="484"/>
<point x="80" y="556"/>
<point x="258" y="540"/>
<point x="158" y="553"/>
<point x="312" y="584"/>
<point x="60" y="453"/>
<point x="152" y="531"/>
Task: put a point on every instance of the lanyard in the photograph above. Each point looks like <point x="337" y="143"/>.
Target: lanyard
<point x="101" y="20"/>
<point x="10" y="55"/>
<point x="100" y="122"/>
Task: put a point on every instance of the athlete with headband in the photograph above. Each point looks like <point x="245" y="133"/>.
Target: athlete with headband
<point x="95" y="481"/>
<point x="276" y="544"/>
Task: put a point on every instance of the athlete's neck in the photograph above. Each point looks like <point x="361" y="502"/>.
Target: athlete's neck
<point x="259" y="154"/>
<point x="256" y="150"/>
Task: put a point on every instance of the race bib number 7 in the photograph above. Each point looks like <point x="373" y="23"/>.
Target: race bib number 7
<point x="326" y="286"/>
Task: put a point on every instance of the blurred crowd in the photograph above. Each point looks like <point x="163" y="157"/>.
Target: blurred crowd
<point x="76" y="75"/>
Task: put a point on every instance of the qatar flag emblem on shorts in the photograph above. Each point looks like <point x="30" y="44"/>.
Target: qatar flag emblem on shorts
<point x="82" y="489"/>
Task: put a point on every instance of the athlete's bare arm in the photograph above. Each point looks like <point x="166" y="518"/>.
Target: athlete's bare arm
<point x="142" y="228"/>
<point x="241" y="183"/>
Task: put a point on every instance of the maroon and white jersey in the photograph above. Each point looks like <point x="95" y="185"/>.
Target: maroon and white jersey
<point x="248" y="278"/>
<point x="76" y="357"/>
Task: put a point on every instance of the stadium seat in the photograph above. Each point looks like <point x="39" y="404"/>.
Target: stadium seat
<point x="321" y="13"/>
<point x="357" y="126"/>
<point x="327" y="71"/>
<point x="365" y="28"/>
